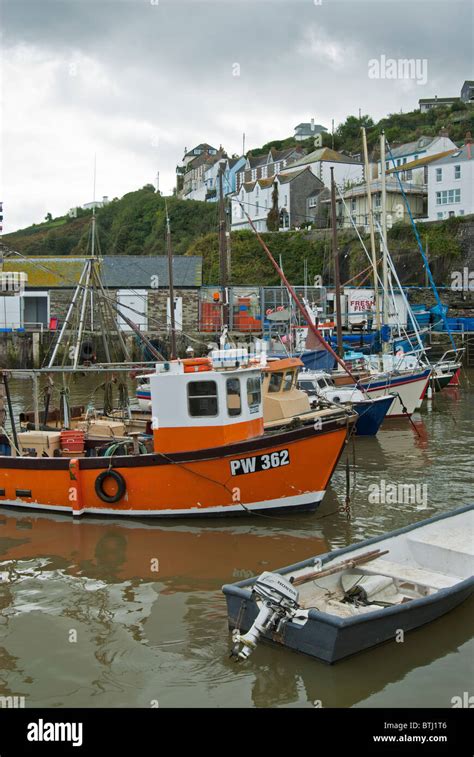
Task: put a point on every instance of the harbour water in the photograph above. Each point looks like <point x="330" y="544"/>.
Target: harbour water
<point x="112" y="613"/>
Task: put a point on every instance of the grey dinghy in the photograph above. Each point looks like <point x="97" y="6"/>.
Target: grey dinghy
<point x="345" y="601"/>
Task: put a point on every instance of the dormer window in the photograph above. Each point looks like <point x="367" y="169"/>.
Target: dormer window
<point x="202" y="399"/>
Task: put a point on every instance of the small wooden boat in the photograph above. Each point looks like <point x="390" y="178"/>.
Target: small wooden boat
<point x="354" y="598"/>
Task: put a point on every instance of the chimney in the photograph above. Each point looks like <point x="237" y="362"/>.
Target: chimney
<point x="312" y="124"/>
<point x="468" y="143"/>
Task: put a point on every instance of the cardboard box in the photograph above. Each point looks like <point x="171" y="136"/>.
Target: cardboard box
<point x="44" y="443"/>
<point x="102" y="428"/>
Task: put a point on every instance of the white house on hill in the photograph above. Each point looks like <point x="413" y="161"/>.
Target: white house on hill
<point x="451" y="184"/>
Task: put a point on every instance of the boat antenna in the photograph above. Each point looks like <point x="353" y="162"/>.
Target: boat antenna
<point x="173" y="352"/>
<point x="337" y="278"/>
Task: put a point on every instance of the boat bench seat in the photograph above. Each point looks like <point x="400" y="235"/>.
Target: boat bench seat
<point x="410" y="573"/>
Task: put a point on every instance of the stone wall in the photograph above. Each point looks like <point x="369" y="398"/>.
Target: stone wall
<point x="157" y="300"/>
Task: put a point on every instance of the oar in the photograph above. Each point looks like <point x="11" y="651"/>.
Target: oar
<point x="344" y="565"/>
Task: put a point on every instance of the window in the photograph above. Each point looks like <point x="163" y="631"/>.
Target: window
<point x="202" y="398"/>
<point x="286" y="201"/>
<point x="256" y="208"/>
<point x="312" y="202"/>
<point x="415" y="157"/>
<point x="353" y="204"/>
<point x="439" y="216"/>
<point x="254" y="394"/>
<point x="448" y="197"/>
<point x="387" y="165"/>
<point x="307" y="386"/>
<point x="234" y="403"/>
<point x="439" y="174"/>
<point x="409" y="174"/>
<point x="256" y="190"/>
<point x="274" y="384"/>
<point x="322" y="383"/>
<point x="451" y="214"/>
<point x="378" y="200"/>
<point x="457" y="172"/>
<point x="288" y="381"/>
<point x="461" y="212"/>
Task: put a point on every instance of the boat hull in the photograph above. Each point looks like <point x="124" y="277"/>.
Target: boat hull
<point x="410" y="390"/>
<point x="371" y="415"/>
<point x="330" y="638"/>
<point x="262" y="474"/>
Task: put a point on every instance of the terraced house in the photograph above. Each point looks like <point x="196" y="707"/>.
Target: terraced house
<point x="293" y="194"/>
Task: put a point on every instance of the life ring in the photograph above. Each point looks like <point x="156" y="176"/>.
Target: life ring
<point x="119" y="480"/>
<point x="196" y="364"/>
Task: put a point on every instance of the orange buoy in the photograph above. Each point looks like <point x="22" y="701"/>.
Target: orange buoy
<point x="196" y="364"/>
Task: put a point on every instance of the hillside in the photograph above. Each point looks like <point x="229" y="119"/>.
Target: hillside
<point x="132" y="225"/>
<point x="399" y="128"/>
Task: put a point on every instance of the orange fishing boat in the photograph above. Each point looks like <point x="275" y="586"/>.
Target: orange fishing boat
<point x="211" y="453"/>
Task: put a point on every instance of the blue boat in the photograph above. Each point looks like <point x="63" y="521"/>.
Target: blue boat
<point x="371" y="410"/>
<point x="371" y="414"/>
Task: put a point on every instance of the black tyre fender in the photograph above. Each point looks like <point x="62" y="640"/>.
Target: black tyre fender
<point x="121" y="486"/>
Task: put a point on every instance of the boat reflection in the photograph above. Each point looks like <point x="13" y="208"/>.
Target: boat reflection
<point x="183" y="558"/>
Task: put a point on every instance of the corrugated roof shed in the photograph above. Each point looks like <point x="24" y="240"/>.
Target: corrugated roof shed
<point x="118" y="271"/>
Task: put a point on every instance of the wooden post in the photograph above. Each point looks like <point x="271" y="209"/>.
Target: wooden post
<point x="337" y="280"/>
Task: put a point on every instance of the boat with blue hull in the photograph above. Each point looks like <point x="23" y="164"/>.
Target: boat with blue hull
<point x="343" y="602"/>
<point x="371" y="412"/>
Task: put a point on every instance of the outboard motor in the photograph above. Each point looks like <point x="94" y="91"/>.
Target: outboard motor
<point x="277" y="600"/>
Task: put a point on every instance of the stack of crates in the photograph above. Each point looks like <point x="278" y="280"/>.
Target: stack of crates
<point x="72" y="443"/>
<point x="210" y="316"/>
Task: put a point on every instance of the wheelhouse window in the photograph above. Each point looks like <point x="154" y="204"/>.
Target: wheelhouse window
<point x="307" y="386"/>
<point x="288" y="381"/>
<point x="274" y="385"/>
<point x="254" y="394"/>
<point x="234" y="402"/>
<point x="202" y="399"/>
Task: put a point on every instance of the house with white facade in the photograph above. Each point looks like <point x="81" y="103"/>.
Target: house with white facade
<point x="416" y="171"/>
<point x="347" y="170"/>
<point x="190" y="174"/>
<point x="291" y="193"/>
<point x="451" y="184"/>
<point x="270" y="164"/>
<point x="398" y="156"/>
<point x="211" y="177"/>
<point x="307" y="130"/>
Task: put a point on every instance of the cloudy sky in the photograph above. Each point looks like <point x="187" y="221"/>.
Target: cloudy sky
<point x="136" y="81"/>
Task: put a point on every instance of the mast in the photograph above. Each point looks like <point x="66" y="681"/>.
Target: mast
<point x="171" y="287"/>
<point x="337" y="280"/>
<point x="299" y="305"/>
<point x="371" y="228"/>
<point x="385" y="347"/>
<point x="223" y="272"/>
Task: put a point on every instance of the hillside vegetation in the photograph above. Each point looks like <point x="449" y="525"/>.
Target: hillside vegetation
<point x="136" y="223"/>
